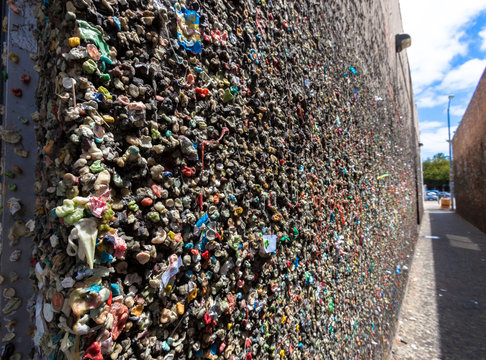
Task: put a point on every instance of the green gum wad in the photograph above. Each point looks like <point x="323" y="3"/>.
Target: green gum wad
<point x="133" y="150"/>
<point x="228" y="96"/>
<point x="23" y="120"/>
<point x="105" y="92"/>
<point x="155" y="134"/>
<point x="132" y="205"/>
<point x="105" y="77"/>
<point x="9" y="174"/>
<point x="117" y="180"/>
<point x="70" y="212"/>
<point x="88" y="32"/>
<point x="296" y="233"/>
<point x="108" y="214"/>
<point x="103" y="227"/>
<point x="234" y="241"/>
<point x="153" y="216"/>
<point x="89" y="66"/>
<point x="106" y="218"/>
<point x="96" y="167"/>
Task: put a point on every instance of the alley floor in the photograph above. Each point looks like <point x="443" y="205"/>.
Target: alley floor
<point x="443" y="315"/>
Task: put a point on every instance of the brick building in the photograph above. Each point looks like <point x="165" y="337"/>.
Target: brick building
<point x="469" y="148"/>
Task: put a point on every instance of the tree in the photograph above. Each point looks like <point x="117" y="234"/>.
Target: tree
<point x="436" y="171"/>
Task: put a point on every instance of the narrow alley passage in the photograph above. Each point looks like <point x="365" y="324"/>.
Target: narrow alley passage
<point x="443" y="315"/>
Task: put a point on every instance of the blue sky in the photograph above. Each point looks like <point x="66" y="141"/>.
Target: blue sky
<point x="447" y="57"/>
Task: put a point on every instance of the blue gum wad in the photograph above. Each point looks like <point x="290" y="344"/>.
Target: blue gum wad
<point x="70" y="212"/>
<point x="88" y="32"/>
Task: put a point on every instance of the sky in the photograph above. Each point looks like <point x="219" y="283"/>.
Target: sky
<point x="447" y="57"/>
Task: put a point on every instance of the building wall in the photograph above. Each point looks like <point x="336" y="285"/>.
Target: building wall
<point x="313" y="143"/>
<point x="17" y="163"/>
<point x="469" y="160"/>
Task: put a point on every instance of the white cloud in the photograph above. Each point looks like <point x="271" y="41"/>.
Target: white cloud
<point x="460" y="81"/>
<point x="439" y="31"/>
<point x="482" y="35"/>
<point x="458" y="110"/>
<point x="430" y="125"/>
<point x="436" y="28"/>
<point x="430" y="99"/>
<point x="435" y="141"/>
<point x="464" y="77"/>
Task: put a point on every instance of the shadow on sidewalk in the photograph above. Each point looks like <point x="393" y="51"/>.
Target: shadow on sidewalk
<point x="460" y="272"/>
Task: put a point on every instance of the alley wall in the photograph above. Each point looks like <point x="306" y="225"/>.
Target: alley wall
<point x="469" y="160"/>
<point x="221" y="179"/>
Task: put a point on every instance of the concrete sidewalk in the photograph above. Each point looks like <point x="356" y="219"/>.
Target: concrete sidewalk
<point x="443" y="315"/>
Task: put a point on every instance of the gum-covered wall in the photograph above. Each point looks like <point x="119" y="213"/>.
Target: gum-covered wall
<point x="221" y="179"/>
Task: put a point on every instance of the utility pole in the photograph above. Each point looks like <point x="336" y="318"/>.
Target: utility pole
<point x="451" y="177"/>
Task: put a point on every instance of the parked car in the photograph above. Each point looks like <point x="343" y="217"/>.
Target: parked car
<point x="431" y="196"/>
<point x="444" y="194"/>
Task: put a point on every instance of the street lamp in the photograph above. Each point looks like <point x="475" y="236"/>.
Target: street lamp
<point x="451" y="179"/>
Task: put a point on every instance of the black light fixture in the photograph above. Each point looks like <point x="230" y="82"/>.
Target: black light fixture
<point x="402" y="41"/>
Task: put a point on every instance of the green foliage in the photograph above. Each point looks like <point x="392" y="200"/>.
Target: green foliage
<point x="436" y="171"/>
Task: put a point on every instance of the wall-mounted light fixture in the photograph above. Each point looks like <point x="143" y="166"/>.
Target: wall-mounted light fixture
<point x="402" y="41"/>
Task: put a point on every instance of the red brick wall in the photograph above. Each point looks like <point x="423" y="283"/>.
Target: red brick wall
<point x="469" y="160"/>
